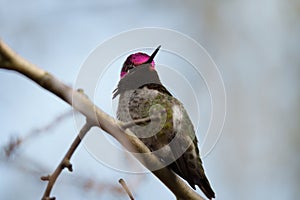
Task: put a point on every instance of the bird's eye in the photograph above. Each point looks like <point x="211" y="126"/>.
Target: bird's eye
<point x="130" y="68"/>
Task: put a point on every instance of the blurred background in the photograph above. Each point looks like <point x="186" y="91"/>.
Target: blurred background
<point x="255" y="45"/>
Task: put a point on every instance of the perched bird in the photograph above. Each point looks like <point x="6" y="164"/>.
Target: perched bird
<point x="142" y="94"/>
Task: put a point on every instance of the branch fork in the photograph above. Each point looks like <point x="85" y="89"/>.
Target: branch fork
<point x="9" y="60"/>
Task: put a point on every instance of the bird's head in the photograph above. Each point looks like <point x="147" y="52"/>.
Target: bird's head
<point x="137" y="59"/>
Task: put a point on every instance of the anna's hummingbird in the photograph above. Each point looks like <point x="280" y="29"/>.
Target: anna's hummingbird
<point x="142" y="93"/>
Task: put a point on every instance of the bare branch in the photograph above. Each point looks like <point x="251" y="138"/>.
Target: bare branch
<point x="11" y="61"/>
<point x="135" y="122"/>
<point x="15" y="142"/>
<point x="12" y="145"/>
<point x="154" y="117"/>
<point x="65" y="163"/>
<point x="83" y="182"/>
<point x="126" y="188"/>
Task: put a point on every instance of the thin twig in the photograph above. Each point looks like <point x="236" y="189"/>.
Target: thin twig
<point x="126" y="188"/>
<point x="135" y="122"/>
<point x="154" y="117"/>
<point x="15" y="142"/>
<point x="83" y="182"/>
<point x="65" y="162"/>
<point x="11" y="61"/>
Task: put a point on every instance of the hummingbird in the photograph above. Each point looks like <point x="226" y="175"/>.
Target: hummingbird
<point x="141" y="94"/>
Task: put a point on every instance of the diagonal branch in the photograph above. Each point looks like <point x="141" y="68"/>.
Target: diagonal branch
<point x="11" y="61"/>
<point x="65" y="162"/>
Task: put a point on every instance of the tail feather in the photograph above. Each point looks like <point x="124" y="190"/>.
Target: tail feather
<point x="204" y="185"/>
<point x="194" y="178"/>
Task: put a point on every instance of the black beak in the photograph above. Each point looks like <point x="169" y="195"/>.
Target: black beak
<point x="153" y="55"/>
